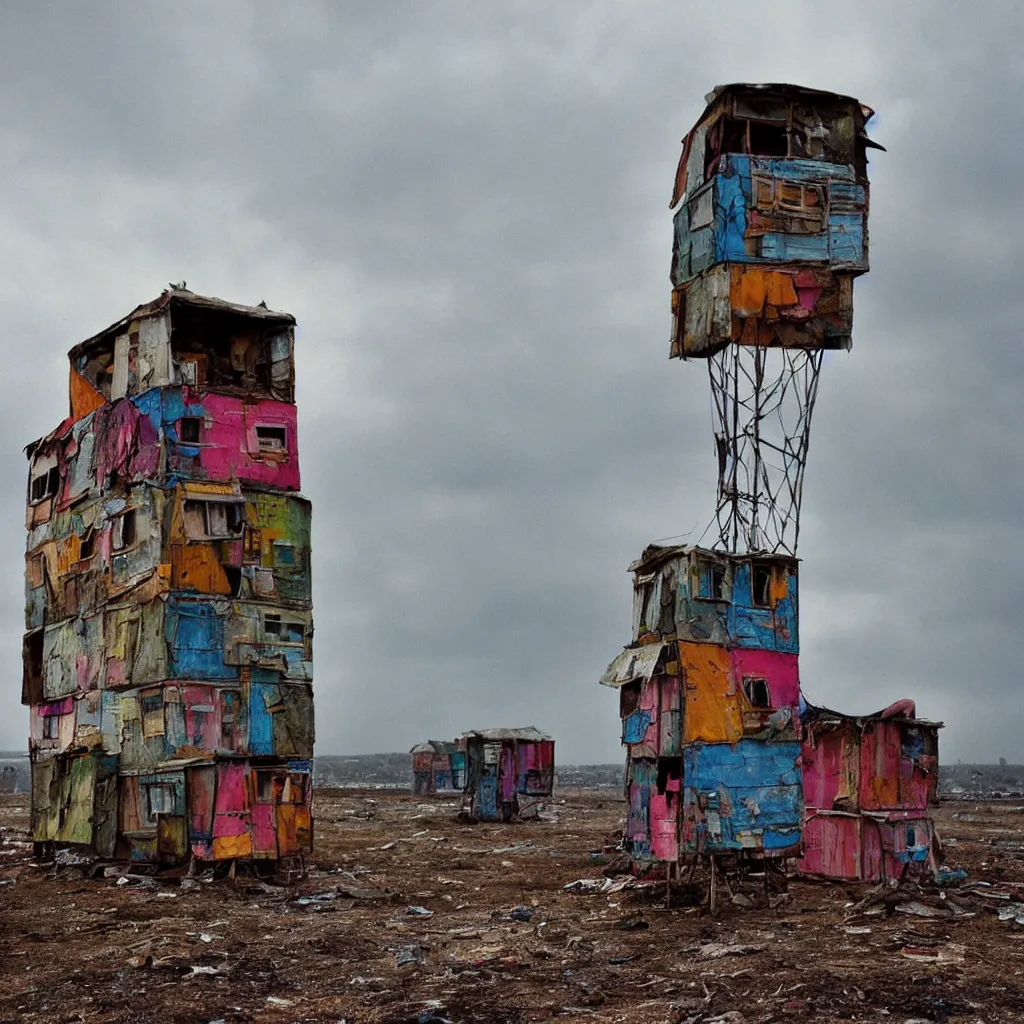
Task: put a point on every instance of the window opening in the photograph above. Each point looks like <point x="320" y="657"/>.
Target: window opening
<point x="46" y="484"/>
<point x="188" y="432"/>
<point x="271" y="439"/>
<point x="768" y="139"/>
<point x="124" y="530"/>
<point x="629" y="699"/>
<point x="87" y="546"/>
<point x="761" y="585"/>
<point x="711" y="586"/>
<point x="159" y="800"/>
<point x="286" y="630"/>
<point x="229" y="706"/>
<point x="756" y="690"/>
<point x="646" y="592"/>
<point x="265" y="786"/>
<point x="213" y="519"/>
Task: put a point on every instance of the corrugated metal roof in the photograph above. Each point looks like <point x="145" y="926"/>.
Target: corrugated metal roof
<point x="632" y="664"/>
<point x="528" y="733"/>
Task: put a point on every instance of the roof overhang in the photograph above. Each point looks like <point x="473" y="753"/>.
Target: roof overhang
<point x="633" y="664"/>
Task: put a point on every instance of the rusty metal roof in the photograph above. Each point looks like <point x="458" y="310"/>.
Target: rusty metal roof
<point x="179" y="296"/>
<point x="632" y="664"/>
<point x="528" y="733"/>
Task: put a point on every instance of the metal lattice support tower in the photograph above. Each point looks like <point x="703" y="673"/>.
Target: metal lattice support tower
<point x="762" y="404"/>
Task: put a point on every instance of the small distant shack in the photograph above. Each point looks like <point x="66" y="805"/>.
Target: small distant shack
<point x="869" y="784"/>
<point x="438" y="768"/>
<point x="509" y="773"/>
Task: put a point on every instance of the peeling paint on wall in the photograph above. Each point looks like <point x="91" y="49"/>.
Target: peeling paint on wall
<point x="168" y="658"/>
<point x="770" y="230"/>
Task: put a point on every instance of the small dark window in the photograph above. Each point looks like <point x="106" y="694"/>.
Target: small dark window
<point x="646" y="593"/>
<point x="734" y="136"/>
<point x="265" y="786"/>
<point x="235" y="515"/>
<point x="229" y="705"/>
<point x="756" y="690"/>
<point x="761" y="585"/>
<point x="271" y="439"/>
<point x="46" y="484"/>
<point x="234" y="576"/>
<point x="87" y="546"/>
<point x="718" y="582"/>
<point x="51" y="729"/>
<point x="32" y="668"/>
<point x="272" y="625"/>
<point x="768" y="140"/>
<point x="712" y="581"/>
<point x="669" y="769"/>
<point x="629" y="698"/>
<point x="189" y="431"/>
<point x="124" y="531"/>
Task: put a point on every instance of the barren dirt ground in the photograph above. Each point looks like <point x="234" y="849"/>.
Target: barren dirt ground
<point x="74" y="949"/>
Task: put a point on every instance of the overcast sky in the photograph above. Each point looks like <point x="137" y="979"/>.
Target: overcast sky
<point x="465" y="206"/>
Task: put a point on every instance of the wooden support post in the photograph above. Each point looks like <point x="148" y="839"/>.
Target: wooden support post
<point x="714" y="885"/>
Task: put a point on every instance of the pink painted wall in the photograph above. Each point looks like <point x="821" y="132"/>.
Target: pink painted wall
<point x="507" y="773"/>
<point x="670" y="721"/>
<point x="204" y="725"/>
<point x="229" y="447"/>
<point x="780" y="671"/>
<point x="880" y="766"/>
<point x="264" y="829"/>
<point x="832" y="846"/>
<point x="871" y="853"/>
<point x="232" y="810"/>
<point x="664" y="815"/>
<point x="828" y="760"/>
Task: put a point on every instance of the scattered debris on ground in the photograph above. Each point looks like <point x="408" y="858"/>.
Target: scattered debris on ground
<point x="506" y="923"/>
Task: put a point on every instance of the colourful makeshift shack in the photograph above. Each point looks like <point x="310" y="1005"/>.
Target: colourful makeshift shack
<point x="869" y="784"/>
<point x="709" y="704"/>
<point x="168" y="652"/>
<point x="438" y="768"/>
<point x="510" y="773"/>
<point x="770" y="231"/>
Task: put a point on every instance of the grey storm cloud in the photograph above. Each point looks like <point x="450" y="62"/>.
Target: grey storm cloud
<point x="465" y="205"/>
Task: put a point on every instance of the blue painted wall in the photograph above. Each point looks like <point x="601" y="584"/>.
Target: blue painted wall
<point x="738" y="622"/>
<point x="773" y="629"/>
<point x="195" y="639"/>
<point x="724" y="240"/>
<point x="753" y="788"/>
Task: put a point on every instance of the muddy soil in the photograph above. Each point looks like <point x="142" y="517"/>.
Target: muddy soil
<point x="494" y="936"/>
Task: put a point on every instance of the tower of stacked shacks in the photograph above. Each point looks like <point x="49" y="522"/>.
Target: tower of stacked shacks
<point x="770" y="232"/>
<point x="168" y="652"/>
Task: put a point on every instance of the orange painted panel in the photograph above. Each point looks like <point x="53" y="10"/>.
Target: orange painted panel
<point x="753" y="290"/>
<point x="84" y="397"/>
<point x="197" y="566"/>
<point x="713" y="710"/>
<point x="230" y="847"/>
